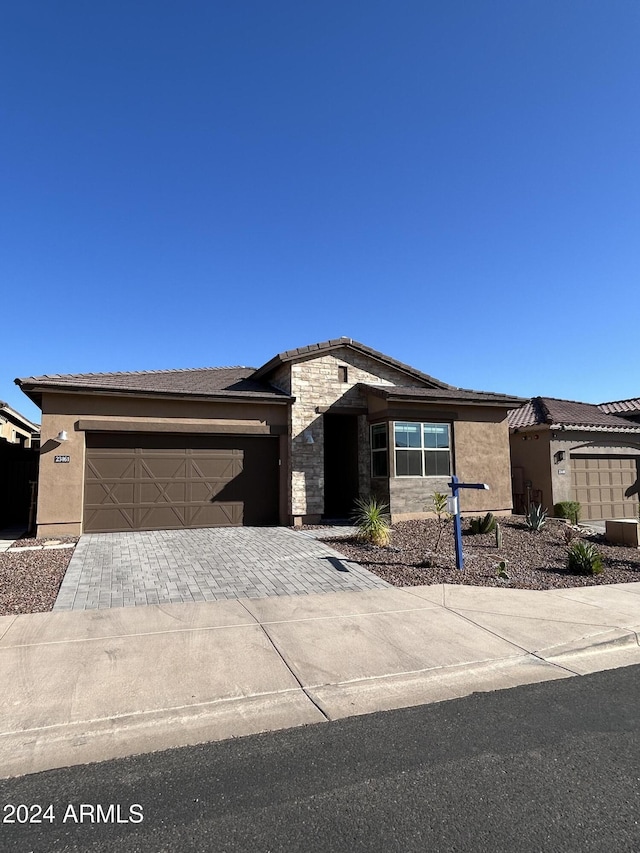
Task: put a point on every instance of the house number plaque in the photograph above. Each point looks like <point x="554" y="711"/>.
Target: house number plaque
<point x="61" y="458"/>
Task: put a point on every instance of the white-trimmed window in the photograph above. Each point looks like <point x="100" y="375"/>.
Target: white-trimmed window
<point x="379" y="451"/>
<point x="422" y="450"/>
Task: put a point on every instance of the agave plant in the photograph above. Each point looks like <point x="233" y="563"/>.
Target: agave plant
<point x="536" y="517"/>
<point x="373" y="521"/>
<point x="583" y="558"/>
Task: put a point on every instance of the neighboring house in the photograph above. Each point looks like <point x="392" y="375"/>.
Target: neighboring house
<point x="16" y="429"/>
<point x="567" y="451"/>
<point x="628" y="409"/>
<point x="294" y="441"/>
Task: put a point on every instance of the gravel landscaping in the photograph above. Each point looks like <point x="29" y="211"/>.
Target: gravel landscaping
<point x="30" y="579"/>
<point x="534" y="560"/>
<point x="32" y="571"/>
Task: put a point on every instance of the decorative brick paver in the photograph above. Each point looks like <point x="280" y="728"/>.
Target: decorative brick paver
<point x="175" y="566"/>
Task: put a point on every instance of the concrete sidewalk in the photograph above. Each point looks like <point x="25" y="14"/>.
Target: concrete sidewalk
<point x="92" y="685"/>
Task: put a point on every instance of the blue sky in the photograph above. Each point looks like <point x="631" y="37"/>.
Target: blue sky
<point x="457" y="184"/>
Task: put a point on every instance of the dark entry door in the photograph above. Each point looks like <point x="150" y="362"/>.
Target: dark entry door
<point x="340" y="465"/>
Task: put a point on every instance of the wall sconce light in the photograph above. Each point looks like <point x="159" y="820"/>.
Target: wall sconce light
<point x="308" y="437"/>
<point x="559" y="456"/>
<point x="62" y="436"/>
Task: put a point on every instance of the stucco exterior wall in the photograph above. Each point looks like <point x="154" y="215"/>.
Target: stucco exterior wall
<point x="535" y="452"/>
<point x="61" y="485"/>
<point x="8" y="431"/>
<point x="480" y="439"/>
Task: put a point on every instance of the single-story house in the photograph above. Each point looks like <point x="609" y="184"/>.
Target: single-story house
<point x="563" y="450"/>
<point x="16" y="429"/>
<point x="294" y="441"/>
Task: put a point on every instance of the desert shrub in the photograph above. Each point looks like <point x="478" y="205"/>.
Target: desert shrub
<point x="567" y="509"/>
<point x="536" y="517"/>
<point x="373" y="521"/>
<point x="483" y="525"/>
<point x="583" y="558"/>
<point x="501" y="571"/>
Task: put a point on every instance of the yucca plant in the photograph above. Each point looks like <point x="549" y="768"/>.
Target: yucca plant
<point x="372" y="519"/>
<point x="536" y="517"/>
<point x="583" y="558"/>
<point x="483" y="525"/>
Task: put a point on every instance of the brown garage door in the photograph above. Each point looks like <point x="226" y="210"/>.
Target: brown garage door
<point x="163" y="482"/>
<point x="599" y="483"/>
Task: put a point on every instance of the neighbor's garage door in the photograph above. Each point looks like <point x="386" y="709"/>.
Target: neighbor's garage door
<point x="156" y="482"/>
<point x="599" y="483"/>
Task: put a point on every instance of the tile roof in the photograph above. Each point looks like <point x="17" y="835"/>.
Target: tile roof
<point x="206" y="381"/>
<point x="554" y="412"/>
<point x="631" y="406"/>
<point x="327" y="346"/>
<point x="246" y="381"/>
<point x="443" y="394"/>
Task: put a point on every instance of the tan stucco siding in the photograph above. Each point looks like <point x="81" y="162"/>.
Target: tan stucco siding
<point x="480" y="454"/>
<point x="61" y="485"/>
<point x="9" y="431"/>
<point x="481" y="448"/>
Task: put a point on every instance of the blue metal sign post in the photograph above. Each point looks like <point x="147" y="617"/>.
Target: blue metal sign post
<point x="454" y="485"/>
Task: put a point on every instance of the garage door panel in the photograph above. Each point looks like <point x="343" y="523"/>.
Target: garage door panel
<point x="165" y="517"/>
<point x="152" y="482"/>
<point x="153" y="466"/>
<point x="111" y="467"/>
<point x="217" y="515"/>
<point x="110" y="518"/>
<point x="162" y="492"/>
<point x="599" y="484"/>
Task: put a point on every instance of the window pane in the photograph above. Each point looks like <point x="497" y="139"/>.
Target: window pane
<point x="380" y="464"/>
<point x="436" y="435"/>
<point x="407" y="435"/>
<point x="408" y="463"/>
<point x="436" y="463"/>
<point x="378" y="436"/>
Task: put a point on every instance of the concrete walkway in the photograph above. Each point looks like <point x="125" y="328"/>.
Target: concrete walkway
<point x="86" y="686"/>
<point x="212" y="564"/>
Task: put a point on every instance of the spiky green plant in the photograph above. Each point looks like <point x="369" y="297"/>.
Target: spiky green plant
<point x="372" y="519"/>
<point x="483" y="525"/>
<point x="536" y="517"/>
<point x="583" y="558"/>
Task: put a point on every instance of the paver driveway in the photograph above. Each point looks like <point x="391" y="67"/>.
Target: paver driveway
<point x="159" y="567"/>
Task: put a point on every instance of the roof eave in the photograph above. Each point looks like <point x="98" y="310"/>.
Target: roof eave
<point x="396" y="395"/>
<point x="34" y="392"/>
<point x="595" y="427"/>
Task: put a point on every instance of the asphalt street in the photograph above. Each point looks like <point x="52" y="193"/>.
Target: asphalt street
<point x="547" y="767"/>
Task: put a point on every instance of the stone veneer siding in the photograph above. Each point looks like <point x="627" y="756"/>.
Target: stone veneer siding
<point x="315" y="383"/>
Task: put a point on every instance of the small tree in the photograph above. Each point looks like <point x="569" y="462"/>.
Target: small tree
<point x="439" y="502"/>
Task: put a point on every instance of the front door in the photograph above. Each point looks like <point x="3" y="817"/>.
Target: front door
<point x="340" y="465"/>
